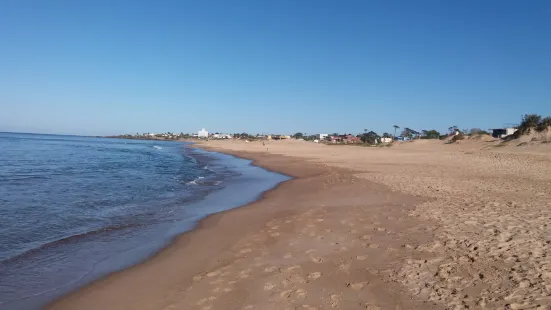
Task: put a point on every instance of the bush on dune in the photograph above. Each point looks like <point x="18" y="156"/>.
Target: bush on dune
<point x="458" y="137"/>
<point x="544" y="124"/>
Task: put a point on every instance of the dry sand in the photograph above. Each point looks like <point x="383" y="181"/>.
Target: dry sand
<point x="420" y="225"/>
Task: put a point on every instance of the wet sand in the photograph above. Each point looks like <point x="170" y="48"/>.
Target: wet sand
<point x="327" y="239"/>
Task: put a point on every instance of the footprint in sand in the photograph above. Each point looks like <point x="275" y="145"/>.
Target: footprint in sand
<point x="270" y="269"/>
<point x="245" y="251"/>
<point x="218" y="281"/>
<point x="314" y="275"/>
<point x="201" y="301"/>
<point x="286" y="294"/>
<point x="197" y="278"/>
<point x="344" y="267"/>
<point x="356" y="286"/>
<point x="293" y="268"/>
<point x="215" y="290"/>
<point x="335" y="300"/>
<point x="361" y="257"/>
<point x="297" y="279"/>
<point x="213" y="273"/>
<point x="268" y="286"/>
<point x="317" y="260"/>
<point x="301" y="294"/>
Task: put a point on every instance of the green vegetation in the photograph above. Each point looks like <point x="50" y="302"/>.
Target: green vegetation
<point x="477" y="131"/>
<point x="395" y="127"/>
<point x="430" y="134"/>
<point x="544" y="123"/>
<point x="409" y="133"/>
<point x="458" y="137"/>
<point x="370" y="137"/>
<point x="530" y="122"/>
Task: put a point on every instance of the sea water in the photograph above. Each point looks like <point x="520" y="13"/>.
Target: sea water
<point x="73" y="209"/>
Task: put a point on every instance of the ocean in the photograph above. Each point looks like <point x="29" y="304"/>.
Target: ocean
<point x="73" y="209"/>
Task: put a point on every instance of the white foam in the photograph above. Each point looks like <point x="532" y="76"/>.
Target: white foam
<point x="195" y="181"/>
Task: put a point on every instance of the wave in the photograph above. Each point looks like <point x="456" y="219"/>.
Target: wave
<point x="67" y="240"/>
<point x="25" y="177"/>
<point x="157" y="147"/>
<point x="194" y="182"/>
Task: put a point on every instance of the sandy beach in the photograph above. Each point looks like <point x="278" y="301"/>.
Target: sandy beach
<point x="420" y="225"/>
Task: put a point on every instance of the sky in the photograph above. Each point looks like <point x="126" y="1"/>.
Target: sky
<point x="124" y="66"/>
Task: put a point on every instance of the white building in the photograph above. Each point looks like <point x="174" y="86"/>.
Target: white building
<point x="203" y="133"/>
<point x="503" y="132"/>
<point x="386" y="140"/>
<point x="222" y="136"/>
<point x="323" y="136"/>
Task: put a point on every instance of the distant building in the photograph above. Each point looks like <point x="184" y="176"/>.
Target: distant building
<point x="503" y="132"/>
<point x="203" y="133"/>
<point x="323" y="136"/>
<point x="346" y="138"/>
<point x="222" y="136"/>
<point x="386" y="140"/>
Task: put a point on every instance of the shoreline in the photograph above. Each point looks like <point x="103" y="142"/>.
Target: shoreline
<point x="212" y="194"/>
<point x="182" y="239"/>
<point x="192" y="256"/>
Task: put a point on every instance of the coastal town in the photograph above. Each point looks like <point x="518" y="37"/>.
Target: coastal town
<point x="368" y="137"/>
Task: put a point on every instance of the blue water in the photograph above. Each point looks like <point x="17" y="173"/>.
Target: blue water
<point x="73" y="209"/>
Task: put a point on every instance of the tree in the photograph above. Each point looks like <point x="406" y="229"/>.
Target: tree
<point x="387" y="135"/>
<point x="370" y="137"/>
<point x="395" y="127"/>
<point x="478" y="131"/>
<point x="298" y="135"/>
<point x="430" y="134"/>
<point x="409" y="133"/>
<point x="453" y="129"/>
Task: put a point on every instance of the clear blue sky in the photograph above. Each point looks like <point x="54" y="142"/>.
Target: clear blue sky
<point x="108" y="66"/>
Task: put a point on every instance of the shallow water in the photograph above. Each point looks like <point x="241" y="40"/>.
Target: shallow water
<point x="75" y="208"/>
